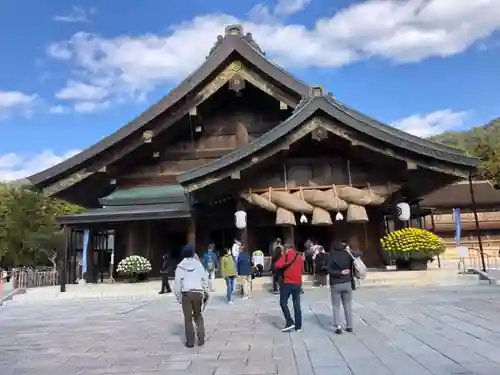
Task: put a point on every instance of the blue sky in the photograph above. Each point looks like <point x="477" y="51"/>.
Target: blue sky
<point x="72" y="74"/>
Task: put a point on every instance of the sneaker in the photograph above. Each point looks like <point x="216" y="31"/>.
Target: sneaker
<point x="298" y="330"/>
<point x="244" y="298"/>
<point x="288" y="328"/>
<point x="348" y="329"/>
<point x="189" y="346"/>
<point x="338" y="330"/>
<point x="230" y="302"/>
<point x="161" y="292"/>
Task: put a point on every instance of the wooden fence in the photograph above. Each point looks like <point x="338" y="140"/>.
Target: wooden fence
<point x="32" y="278"/>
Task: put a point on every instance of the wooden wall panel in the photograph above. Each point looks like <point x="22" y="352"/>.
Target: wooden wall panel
<point x="223" y="131"/>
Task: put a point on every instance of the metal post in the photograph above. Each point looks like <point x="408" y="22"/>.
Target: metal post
<point x="64" y="261"/>
<point x="476" y="219"/>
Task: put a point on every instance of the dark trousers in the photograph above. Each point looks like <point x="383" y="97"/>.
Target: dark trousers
<point x="165" y="286"/>
<point x="192" y="303"/>
<point x="276" y="282"/>
<point x="309" y="265"/>
<point x="287" y="290"/>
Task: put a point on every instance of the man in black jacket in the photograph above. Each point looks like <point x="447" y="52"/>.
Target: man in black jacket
<point x="164" y="271"/>
<point x="342" y="283"/>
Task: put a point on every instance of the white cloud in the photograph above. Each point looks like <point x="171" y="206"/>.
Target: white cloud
<point x="58" y="110"/>
<point x="15" y="166"/>
<point x="399" y="31"/>
<point x="264" y="13"/>
<point x="78" y="14"/>
<point x="432" y="123"/>
<point x="16" y="102"/>
<point x="287" y="7"/>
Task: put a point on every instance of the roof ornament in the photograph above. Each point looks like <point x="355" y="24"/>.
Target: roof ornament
<point x="235" y="31"/>
<point x="250" y="40"/>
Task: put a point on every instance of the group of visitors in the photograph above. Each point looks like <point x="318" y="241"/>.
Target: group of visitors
<point x="194" y="277"/>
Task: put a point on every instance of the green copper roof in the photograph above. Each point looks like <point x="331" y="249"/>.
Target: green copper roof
<point x="145" y="195"/>
<point x="128" y="213"/>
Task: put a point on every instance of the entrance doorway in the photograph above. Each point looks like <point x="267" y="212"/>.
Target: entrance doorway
<point x="324" y="235"/>
<point x="176" y="240"/>
<point x="223" y="239"/>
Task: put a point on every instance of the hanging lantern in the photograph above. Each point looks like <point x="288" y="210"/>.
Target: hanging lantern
<point x="303" y="219"/>
<point x="240" y="219"/>
<point x="403" y="211"/>
<point x="339" y="216"/>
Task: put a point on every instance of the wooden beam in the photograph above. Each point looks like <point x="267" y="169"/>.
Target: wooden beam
<point x="196" y="154"/>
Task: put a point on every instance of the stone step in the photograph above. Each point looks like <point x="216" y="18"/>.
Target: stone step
<point x="375" y="278"/>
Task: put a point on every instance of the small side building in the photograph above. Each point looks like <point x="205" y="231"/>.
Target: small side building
<point x="458" y="195"/>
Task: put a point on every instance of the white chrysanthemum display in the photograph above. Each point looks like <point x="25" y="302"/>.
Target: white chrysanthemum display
<point x="134" y="264"/>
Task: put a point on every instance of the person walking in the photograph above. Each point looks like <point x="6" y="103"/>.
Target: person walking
<point x="342" y="283"/>
<point x="228" y="272"/>
<point x="245" y="269"/>
<point x="291" y="266"/>
<point x="211" y="264"/>
<point x="191" y="290"/>
<point x="320" y="267"/>
<point x="164" y="273"/>
<point x="276" y="255"/>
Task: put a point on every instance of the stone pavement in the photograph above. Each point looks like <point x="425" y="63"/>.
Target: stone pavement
<point x="413" y="331"/>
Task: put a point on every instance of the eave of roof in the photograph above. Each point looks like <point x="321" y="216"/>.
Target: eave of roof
<point x="355" y="121"/>
<point x="127" y="213"/>
<point x="146" y="195"/>
<point x="457" y="195"/>
<point x="229" y="45"/>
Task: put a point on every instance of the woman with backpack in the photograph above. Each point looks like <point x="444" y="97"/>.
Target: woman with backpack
<point x="342" y="272"/>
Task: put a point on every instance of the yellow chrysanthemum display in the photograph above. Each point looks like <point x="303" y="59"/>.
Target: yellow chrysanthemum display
<point x="412" y="240"/>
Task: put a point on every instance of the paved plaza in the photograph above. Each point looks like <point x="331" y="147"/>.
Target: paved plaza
<point x="414" y="331"/>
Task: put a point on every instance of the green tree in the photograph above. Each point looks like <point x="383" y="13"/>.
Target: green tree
<point x="29" y="233"/>
<point x="482" y="142"/>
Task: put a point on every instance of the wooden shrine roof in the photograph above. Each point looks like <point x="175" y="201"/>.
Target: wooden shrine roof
<point x="228" y="47"/>
<point x="329" y="106"/>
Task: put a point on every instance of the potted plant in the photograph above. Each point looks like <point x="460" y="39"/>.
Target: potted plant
<point x="134" y="266"/>
<point x="412" y="248"/>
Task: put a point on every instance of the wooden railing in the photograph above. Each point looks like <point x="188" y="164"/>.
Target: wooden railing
<point x="32" y="279"/>
<point x="491" y="260"/>
<point x="466" y="217"/>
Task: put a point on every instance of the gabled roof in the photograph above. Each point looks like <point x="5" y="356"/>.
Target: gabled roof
<point x="233" y="41"/>
<point x="350" y="119"/>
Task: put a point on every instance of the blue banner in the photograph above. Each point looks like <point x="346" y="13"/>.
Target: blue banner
<point x="86" y="236"/>
<point x="458" y="226"/>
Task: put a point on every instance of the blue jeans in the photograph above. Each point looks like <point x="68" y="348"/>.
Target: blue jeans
<point x="230" y="287"/>
<point x="287" y="290"/>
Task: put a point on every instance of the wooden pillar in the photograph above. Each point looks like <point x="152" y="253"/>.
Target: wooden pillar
<point x="191" y="232"/>
<point x="476" y="220"/>
<point x="289" y="235"/>
<point x="64" y="260"/>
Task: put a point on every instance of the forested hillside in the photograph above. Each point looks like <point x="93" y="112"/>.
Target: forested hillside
<point x="483" y="142"/>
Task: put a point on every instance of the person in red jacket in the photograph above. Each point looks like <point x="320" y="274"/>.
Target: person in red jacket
<point x="291" y="266"/>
